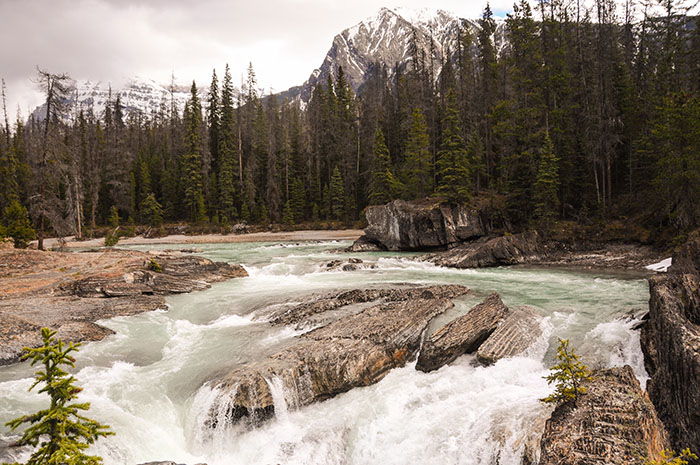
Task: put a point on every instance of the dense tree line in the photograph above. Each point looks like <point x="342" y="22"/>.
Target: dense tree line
<point x="585" y="113"/>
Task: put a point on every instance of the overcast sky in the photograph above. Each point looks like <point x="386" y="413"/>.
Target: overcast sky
<point x="112" y="40"/>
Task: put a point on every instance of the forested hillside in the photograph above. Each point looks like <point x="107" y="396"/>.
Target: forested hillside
<point x="583" y="115"/>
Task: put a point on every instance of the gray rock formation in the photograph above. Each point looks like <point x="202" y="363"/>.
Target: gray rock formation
<point x="354" y="350"/>
<point x="463" y="335"/>
<point x="421" y="225"/>
<point x="512" y="337"/>
<point x="505" y="250"/>
<point x="614" y="423"/>
<point x="671" y="345"/>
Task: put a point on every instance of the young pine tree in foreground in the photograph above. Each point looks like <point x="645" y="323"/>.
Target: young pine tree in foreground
<point x="60" y="431"/>
<point x="568" y="375"/>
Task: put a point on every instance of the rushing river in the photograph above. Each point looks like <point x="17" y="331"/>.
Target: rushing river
<point x="149" y="380"/>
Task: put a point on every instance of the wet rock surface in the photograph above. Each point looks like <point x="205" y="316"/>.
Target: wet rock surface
<point x="614" y="423"/>
<point x="70" y="291"/>
<point x="505" y="250"/>
<point x="354" y="350"/>
<point x="420" y="225"/>
<point x="520" y="329"/>
<point x="463" y="335"/>
<point x="671" y="345"/>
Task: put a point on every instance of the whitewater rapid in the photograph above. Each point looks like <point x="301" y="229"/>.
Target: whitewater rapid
<point x="151" y="380"/>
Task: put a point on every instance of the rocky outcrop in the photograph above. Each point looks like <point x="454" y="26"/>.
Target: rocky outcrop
<point x="463" y="335"/>
<point x="351" y="264"/>
<point x="68" y="292"/>
<point x="614" y="423"/>
<point x="505" y="250"/>
<point x="671" y="344"/>
<point x="363" y="244"/>
<point x="521" y="328"/>
<point x="420" y="225"/>
<point x="354" y="350"/>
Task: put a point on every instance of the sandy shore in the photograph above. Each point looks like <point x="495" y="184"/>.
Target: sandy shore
<point x="287" y="236"/>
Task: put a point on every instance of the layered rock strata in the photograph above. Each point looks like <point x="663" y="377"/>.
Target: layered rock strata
<point x="513" y="336"/>
<point x="671" y="345"/>
<point x="613" y="423"/>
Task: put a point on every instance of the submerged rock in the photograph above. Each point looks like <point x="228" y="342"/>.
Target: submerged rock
<point x="671" y="344"/>
<point x="351" y="351"/>
<point x="513" y="336"/>
<point x="420" y="225"/>
<point x="463" y="335"/>
<point x="614" y="423"/>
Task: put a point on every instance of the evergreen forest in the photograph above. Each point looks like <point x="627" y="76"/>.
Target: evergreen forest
<point x="585" y="115"/>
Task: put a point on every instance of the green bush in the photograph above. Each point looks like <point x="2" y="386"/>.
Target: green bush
<point x="61" y="431"/>
<point x="669" y="457"/>
<point x="112" y="238"/>
<point x="155" y="266"/>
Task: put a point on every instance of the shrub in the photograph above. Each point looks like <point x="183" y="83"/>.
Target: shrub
<point x="17" y="224"/>
<point x="155" y="266"/>
<point x="112" y="238"/>
<point x="568" y="375"/>
<point x="60" y="431"/>
<point x="669" y="457"/>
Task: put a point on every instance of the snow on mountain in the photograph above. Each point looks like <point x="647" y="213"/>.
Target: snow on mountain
<point x="385" y="39"/>
<point x="137" y="96"/>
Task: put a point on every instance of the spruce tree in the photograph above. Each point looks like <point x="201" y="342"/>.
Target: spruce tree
<point x="61" y="431"/>
<point x="546" y="195"/>
<point x="151" y="211"/>
<point x="17" y="225"/>
<point x="453" y="174"/>
<point x="228" y="169"/>
<point x="417" y="170"/>
<point x="192" y="160"/>
<point x="383" y="186"/>
<point x="336" y="195"/>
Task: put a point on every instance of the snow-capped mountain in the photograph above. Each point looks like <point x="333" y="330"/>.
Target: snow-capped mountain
<point x="137" y="95"/>
<point x="385" y="39"/>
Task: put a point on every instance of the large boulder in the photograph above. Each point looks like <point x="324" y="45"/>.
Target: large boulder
<point x="354" y="350"/>
<point x="463" y="335"/>
<point x="613" y="423"/>
<point x="420" y="225"/>
<point x="514" y="336"/>
<point x="505" y="250"/>
<point x="671" y="345"/>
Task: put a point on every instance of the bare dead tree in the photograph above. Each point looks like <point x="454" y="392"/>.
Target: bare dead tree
<point x="56" y="88"/>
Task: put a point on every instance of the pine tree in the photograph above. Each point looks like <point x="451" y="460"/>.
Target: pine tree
<point x="452" y="169"/>
<point x="61" y="431"/>
<point x="417" y="171"/>
<point x="298" y="200"/>
<point x="383" y="186"/>
<point x="546" y="195"/>
<point x="288" y="215"/>
<point x="192" y="160"/>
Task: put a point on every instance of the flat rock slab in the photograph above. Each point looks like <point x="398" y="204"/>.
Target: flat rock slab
<point x="499" y="251"/>
<point x="352" y="351"/>
<point x="614" y="423"/>
<point x="463" y="335"/>
<point x="513" y="336"/>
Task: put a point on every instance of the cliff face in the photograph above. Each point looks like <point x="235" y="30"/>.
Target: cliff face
<point x="671" y="345"/>
<point x="422" y="225"/>
<point x="614" y="423"/>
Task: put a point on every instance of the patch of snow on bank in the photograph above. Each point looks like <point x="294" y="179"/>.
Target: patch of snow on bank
<point x="661" y="267"/>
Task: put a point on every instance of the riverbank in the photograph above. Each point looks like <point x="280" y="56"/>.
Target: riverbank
<point x="282" y="236"/>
